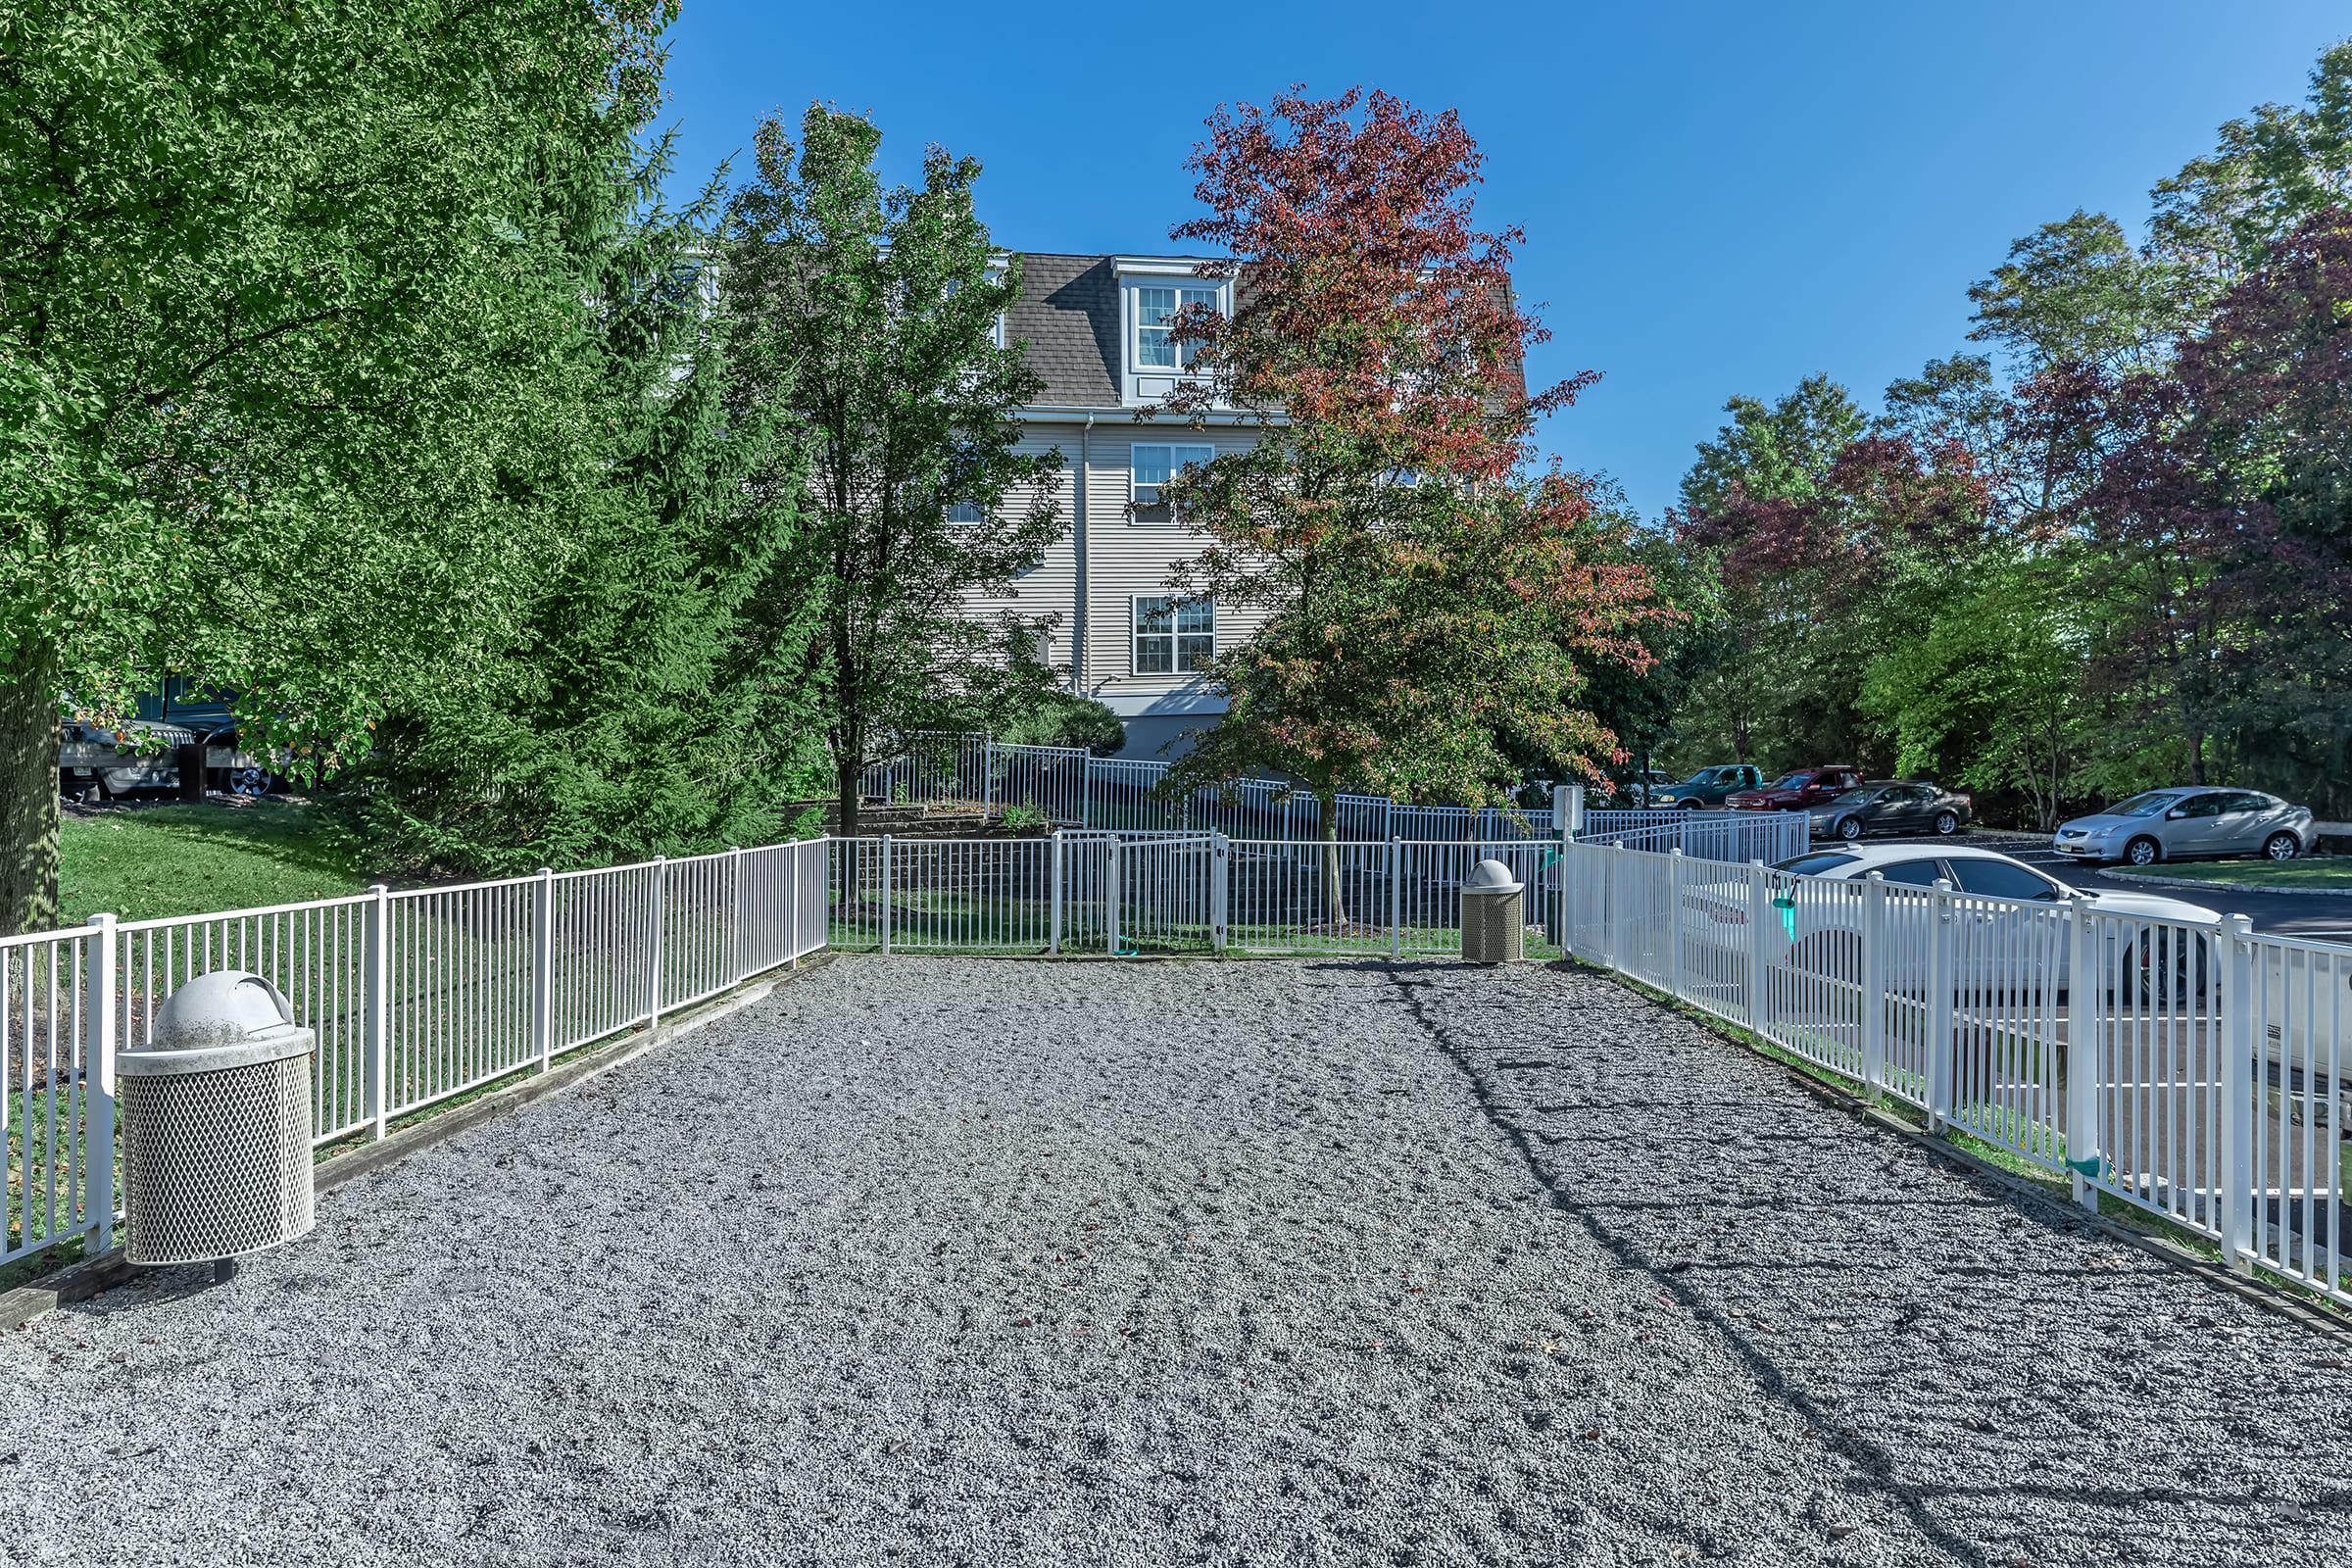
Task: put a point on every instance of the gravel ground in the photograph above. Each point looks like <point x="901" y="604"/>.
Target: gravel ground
<point x="954" y="1261"/>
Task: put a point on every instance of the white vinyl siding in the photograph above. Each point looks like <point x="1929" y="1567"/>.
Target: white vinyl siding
<point x="1154" y="464"/>
<point x="1172" y="636"/>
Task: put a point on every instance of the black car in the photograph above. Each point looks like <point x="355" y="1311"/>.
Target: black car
<point x="1886" y="808"/>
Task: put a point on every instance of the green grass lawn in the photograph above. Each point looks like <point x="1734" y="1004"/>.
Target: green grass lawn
<point x="153" y="860"/>
<point x="2333" y="871"/>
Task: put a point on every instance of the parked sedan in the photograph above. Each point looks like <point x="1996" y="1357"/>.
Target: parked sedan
<point x="2180" y="824"/>
<point x="2006" y="924"/>
<point x="1799" y="791"/>
<point x="1891" y="808"/>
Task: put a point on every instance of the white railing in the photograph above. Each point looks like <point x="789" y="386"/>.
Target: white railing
<point x="417" y="998"/>
<point x="1172" y="893"/>
<point x="2199" y="1073"/>
<point x="2196" y="1071"/>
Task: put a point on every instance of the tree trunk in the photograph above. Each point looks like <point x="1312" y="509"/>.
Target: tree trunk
<point x="845" y="773"/>
<point x="28" y="784"/>
<point x="1335" y="908"/>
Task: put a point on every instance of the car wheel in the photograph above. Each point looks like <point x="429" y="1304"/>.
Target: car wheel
<point x="2281" y="847"/>
<point x="1686" y="806"/>
<point x="2143" y="851"/>
<point x="249" y="781"/>
<point x="1947" y="823"/>
<point x="2164" y="970"/>
<point x="1849" y="828"/>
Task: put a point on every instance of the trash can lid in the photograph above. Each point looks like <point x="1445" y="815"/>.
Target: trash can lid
<point x="227" y="1018"/>
<point x="1490" y="876"/>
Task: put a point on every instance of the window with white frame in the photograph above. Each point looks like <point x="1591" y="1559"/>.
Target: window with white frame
<point x="967" y="511"/>
<point x="1154" y="464"/>
<point x="1174" y="636"/>
<point x="1155" y="308"/>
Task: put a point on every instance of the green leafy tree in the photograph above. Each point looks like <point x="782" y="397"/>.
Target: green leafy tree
<point x="867" y="316"/>
<point x="628" y="717"/>
<point x="285" y="297"/>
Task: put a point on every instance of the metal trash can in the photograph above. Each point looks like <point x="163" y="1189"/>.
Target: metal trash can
<point x="217" y="1124"/>
<point x="1494" y="909"/>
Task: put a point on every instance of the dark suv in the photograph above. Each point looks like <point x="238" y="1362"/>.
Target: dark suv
<point x="1707" y="787"/>
<point x="1799" y="791"/>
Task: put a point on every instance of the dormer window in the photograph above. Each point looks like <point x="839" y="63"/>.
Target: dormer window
<point x="1155" y="309"/>
<point x="1152" y="292"/>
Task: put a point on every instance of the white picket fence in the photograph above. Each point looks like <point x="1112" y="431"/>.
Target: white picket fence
<point x="2192" y="1071"/>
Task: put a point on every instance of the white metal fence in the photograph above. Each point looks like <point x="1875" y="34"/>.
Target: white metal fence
<point x="2197" y="1071"/>
<point x="1171" y="893"/>
<point x="2192" y="1071"/>
<point x="417" y="998"/>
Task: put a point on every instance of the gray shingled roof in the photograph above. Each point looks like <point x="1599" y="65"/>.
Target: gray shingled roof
<point x="1068" y="313"/>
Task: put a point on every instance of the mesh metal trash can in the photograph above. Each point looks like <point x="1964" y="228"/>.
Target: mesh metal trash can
<point x="217" y="1124"/>
<point x="1494" y="914"/>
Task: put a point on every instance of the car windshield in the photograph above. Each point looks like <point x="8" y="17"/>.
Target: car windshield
<point x="2147" y="804"/>
<point x="1858" y="797"/>
<point x="1816" y="865"/>
<point x="1792" y="781"/>
<point x="1705" y="775"/>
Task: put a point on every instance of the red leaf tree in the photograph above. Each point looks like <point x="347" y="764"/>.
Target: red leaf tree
<point x="1428" y="602"/>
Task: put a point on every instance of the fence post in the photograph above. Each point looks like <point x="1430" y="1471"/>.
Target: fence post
<point x="543" y="969"/>
<point x="1612" y="905"/>
<point x="2241" y="1186"/>
<point x="98" y="986"/>
<point x="734" y="913"/>
<point x="653" y="1017"/>
<point x="1395" y="897"/>
<point x="1111" y="894"/>
<point x="1054" y="897"/>
<point x="2084" y="1144"/>
<point x="792" y="894"/>
<point x="377" y="963"/>
<point x="988" y="774"/>
<point x="1674" y="922"/>
<point x="1567" y="810"/>
<point x="1220" y="892"/>
<point x="1086" y="792"/>
<point x="1941" y="941"/>
<point x="1759" y="948"/>
<point x="886" y="894"/>
<point x="1871" y="1004"/>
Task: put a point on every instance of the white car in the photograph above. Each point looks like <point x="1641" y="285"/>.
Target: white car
<point x="2006" y="926"/>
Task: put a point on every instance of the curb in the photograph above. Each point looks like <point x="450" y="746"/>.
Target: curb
<point x="2272" y="1296"/>
<point x="2185" y="883"/>
<point x="80" y="1280"/>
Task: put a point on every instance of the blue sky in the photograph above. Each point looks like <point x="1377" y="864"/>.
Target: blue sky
<point x="1717" y="198"/>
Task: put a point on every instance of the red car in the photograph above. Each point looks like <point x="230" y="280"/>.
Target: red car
<point x="1805" y="788"/>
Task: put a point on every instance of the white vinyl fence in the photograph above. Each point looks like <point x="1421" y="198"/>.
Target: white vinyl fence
<point x="417" y="997"/>
<point x="1172" y="893"/>
<point x="2193" y="1070"/>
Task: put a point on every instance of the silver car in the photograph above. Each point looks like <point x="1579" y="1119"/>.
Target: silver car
<point x="2181" y="824"/>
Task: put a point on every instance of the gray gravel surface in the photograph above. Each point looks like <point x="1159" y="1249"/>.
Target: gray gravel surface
<point x="948" y="1262"/>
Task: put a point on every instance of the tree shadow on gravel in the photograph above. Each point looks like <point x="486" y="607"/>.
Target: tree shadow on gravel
<point x="1959" y="1399"/>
